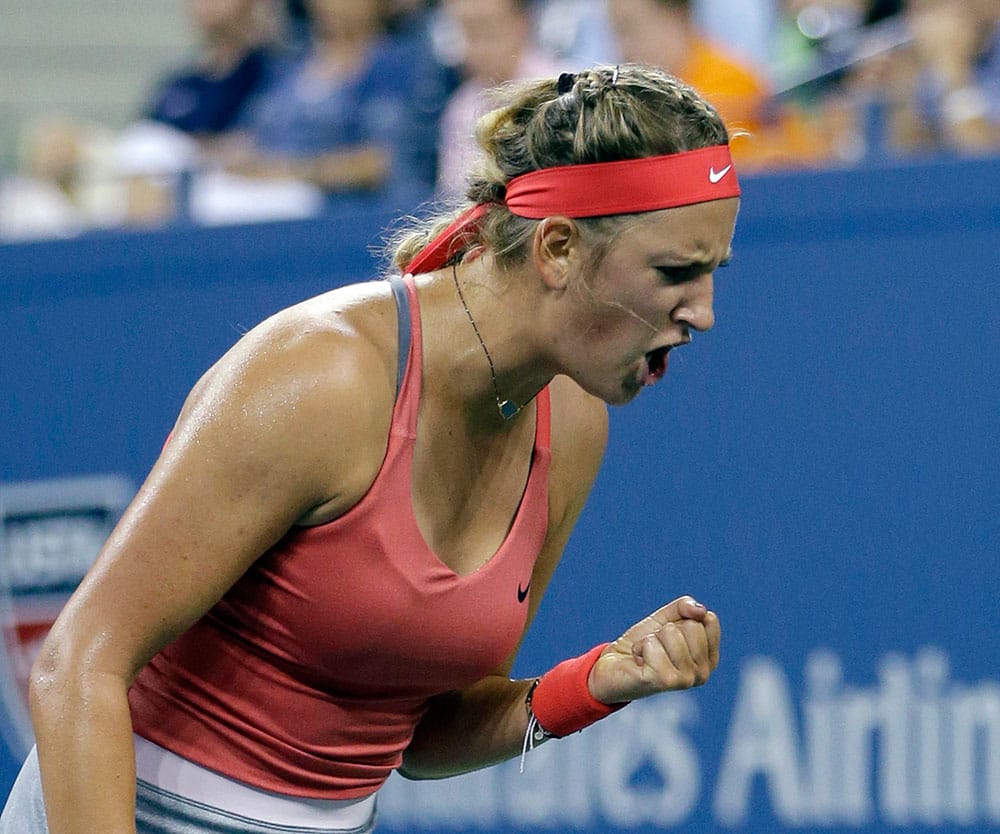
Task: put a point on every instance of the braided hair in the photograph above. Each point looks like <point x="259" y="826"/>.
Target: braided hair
<point x="603" y="114"/>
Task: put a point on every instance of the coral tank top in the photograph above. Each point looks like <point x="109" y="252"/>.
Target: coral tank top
<point x="309" y="676"/>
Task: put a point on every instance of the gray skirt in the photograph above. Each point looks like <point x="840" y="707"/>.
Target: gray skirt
<point x="157" y="812"/>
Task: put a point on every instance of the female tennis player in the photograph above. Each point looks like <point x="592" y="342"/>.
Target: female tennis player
<point x="328" y="572"/>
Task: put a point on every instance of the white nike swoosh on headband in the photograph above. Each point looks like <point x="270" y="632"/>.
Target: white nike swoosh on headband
<point x="714" y="177"/>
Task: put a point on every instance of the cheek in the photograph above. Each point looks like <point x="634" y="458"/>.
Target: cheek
<point x="601" y="315"/>
<point x="619" y="302"/>
<point x="614" y="332"/>
<point x="629" y="313"/>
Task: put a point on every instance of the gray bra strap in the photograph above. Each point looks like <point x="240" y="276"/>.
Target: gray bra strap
<point x="403" y="319"/>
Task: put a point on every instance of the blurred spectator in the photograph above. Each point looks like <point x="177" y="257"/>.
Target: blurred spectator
<point x="209" y="96"/>
<point x="196" y="107"/>
<point x="355" y="114"/>
<point x="893" y="79"/>
<point x="579" y="31"/>
<point x="297" y="24"/>
<point x="801" y="43"/>
<point x="943" y="91"/>
<point x="43" y="199"/>
<point x="64" y="183"/>
<point x="818" y="47"/>
<point x="493" y="42"/>
<point x="576" y="31"/>
<point x="351" y="116"/>
<point x="743" y="28"/>
<point x="663" y="32"/>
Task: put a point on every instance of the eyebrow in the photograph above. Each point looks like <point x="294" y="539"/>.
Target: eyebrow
<point x="681" y="263"/>
<point x="705" y="266"/>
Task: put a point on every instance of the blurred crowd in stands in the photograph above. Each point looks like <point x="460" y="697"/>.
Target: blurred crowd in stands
<point x="291" y="107"/>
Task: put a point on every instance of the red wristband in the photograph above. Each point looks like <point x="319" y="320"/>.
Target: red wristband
<point x="562" y="702"/>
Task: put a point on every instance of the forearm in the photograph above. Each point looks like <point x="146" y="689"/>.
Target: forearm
<point x="83" y="732"/>
<point x="468" y="730"/>
<point x="365" y="167"/>
<point x="350" y="169"/>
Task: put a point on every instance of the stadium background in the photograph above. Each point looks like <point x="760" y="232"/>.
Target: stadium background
<point x="823" y="469"/>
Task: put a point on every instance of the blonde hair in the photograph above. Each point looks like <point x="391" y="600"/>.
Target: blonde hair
<point x="603" y="114"/>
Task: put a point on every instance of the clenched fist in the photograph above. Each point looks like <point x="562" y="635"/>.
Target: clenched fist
<point x="675" y="647"/>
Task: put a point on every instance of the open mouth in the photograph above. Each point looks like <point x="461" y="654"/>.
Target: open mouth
<point x="656" y="364"/>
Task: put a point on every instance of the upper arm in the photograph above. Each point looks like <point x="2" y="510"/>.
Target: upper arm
<point x="273" y="430"/>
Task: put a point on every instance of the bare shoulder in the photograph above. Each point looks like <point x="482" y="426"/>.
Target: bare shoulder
<point x="290" y="423"/>
<point x="341" y="342"/>
<point x="310" y="388"/>
<point x="579" y="438"/>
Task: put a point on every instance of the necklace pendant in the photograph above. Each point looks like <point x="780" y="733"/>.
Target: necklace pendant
<point x="508" y="409"/>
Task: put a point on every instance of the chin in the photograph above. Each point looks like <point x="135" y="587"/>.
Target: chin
<point x="623" y="396"/>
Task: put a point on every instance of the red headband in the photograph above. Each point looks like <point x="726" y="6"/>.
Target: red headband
<point x="596" y="190"/>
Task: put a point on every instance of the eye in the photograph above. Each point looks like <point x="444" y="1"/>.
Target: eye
<point x="674" y="275"/>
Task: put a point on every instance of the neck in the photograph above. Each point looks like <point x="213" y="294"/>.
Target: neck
<point x="498" y="369"/>
<point x="338" y="57"/>
<point x="343" y="35"/>
<point x="223" y="55"/>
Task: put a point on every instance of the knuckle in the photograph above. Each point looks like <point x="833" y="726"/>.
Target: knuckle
<point x="668" y="635"/>
<point x="683" y="677"/>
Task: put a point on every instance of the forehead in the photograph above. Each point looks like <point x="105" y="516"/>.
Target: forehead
<point x="697" y="233"/>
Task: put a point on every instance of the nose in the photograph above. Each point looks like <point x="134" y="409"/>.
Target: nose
<point x="695" y="308"/>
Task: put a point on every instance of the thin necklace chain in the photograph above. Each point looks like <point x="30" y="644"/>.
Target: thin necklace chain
<point x="506" y="408"/>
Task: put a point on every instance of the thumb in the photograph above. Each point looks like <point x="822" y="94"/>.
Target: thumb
<point x="682" y="608"/>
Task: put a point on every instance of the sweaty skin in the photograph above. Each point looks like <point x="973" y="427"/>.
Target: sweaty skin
<point x="290" y="427"/>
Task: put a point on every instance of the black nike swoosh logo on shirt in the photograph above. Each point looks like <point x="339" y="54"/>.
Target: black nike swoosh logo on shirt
<point x="522" y="594"/>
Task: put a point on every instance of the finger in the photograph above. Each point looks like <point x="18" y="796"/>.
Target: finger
<point x="666" y="659"/>
<point x="682" y="608"/>
<point x="697" y="643"/>
<point x="713" y="632"/>
<point x="690" y="609"/>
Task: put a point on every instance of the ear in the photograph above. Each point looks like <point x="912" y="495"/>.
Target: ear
<point x="552" y="249"/>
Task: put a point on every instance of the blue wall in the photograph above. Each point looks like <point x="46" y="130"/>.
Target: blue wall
<point x="823" y="469"/>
